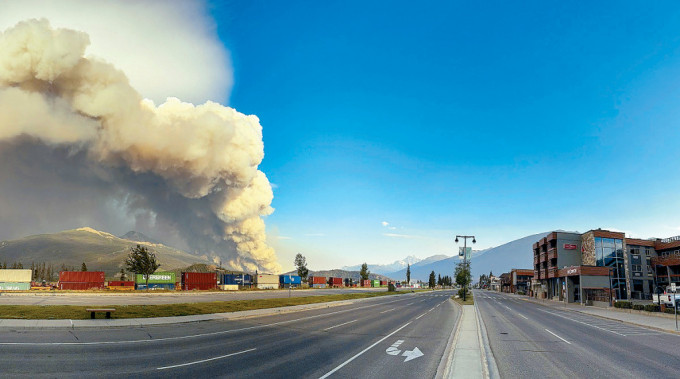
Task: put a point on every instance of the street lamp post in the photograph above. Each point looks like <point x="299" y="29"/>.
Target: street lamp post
<point x="465" y="267"/>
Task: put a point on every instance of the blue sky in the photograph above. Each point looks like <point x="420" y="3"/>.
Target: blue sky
<point x="495" y="119"/>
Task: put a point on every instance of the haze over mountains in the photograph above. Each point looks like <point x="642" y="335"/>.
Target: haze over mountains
<point x="100" y="251"/>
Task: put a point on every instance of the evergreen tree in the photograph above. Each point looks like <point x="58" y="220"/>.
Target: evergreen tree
<point x="83" y="267"/>
<point x="408" y="273"/>
<point x="364" y="272"/>
<point x="439" y="280"/>
<point x="142" y="261"/>
<point x="123" y="276"/>
<point x="432" y="281"/>
<point x="301" y="265"/>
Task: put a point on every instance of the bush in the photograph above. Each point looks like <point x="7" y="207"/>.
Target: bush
<point x="652" y="308"/>
<point x="623" y="304"/>
<point x="670" y="310"/>
<point x="639" y="307"/>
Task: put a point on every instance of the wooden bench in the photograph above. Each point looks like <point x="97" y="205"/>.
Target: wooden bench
<point x="95" y="310"/>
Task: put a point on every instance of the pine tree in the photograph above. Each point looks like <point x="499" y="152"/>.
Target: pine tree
<point x="83" y="267"/>
<point x="301" y="265"/>
<point x="408" y="273"/>
<point x="432" y="281"/>
<point x="364" y="272"/>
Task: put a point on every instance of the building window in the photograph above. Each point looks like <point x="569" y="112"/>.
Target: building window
<point x="637" y="268"/>
<point x="635" y="250"/>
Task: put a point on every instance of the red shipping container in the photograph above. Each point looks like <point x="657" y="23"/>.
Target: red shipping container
<point x="199" y="281"/>
<point x="118" y="283"/>
<point x="81" y="286"/>
<point x="81" y="276"/>
<point x="383" y="282"/>
<point x="337" y="282"/>
<point x="316" y="280"/>
<point x="365" y="283"/>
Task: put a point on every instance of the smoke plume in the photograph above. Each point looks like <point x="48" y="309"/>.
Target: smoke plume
<point x="71" y="125"/>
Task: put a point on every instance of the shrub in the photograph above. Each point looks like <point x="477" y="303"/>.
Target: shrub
<point x="639" y="307"/>
<point x="652" y="308"/>
<point x="670" y="310"/>
<point x="623" y="304"/>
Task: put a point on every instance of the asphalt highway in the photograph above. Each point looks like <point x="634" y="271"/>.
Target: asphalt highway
<point x="533" y="340"/>
<point x="146" y="298"/>
<point x="401" y="336"/>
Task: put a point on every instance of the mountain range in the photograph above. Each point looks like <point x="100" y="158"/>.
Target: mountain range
<point x="503" y="258"/>
<point x="100" y="251"/>
<point x="386" y="268"/>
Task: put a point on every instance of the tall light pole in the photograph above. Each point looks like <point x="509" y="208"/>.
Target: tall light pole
<point x="465" y="267"/>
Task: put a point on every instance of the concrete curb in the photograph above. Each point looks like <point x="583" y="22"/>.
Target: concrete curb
<point x="444" y="368"/>
<point x="489" y="360"/>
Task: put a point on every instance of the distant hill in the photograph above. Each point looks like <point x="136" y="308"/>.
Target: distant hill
<point x="342" y="274"/>
<point x="101" y="251"/>
<point x="386" y="268"/>
<point x="500" y="259"/>
<point x="139" y="237"/>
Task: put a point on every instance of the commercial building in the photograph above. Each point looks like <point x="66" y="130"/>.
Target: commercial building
<point x="601" y="265"/>
<point x="520" y="280"/>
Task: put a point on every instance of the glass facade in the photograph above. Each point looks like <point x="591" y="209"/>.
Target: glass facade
<point x="609" y="253"/>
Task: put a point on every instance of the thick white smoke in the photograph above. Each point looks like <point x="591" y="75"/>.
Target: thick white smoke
<point x="194" y="167"/>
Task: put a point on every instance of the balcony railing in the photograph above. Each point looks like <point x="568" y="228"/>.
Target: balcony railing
<point x="552" y="253"/>
<point x="543" y="256"/>
<point x="552" y="272"/>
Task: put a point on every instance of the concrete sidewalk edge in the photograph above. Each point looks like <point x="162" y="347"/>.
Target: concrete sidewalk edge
<point x="489" y="360"/>
<point x="444" y="368"/>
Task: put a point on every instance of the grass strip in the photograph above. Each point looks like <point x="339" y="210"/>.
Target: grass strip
<point x="468" y="301"/>
<point x="77" y="312"/>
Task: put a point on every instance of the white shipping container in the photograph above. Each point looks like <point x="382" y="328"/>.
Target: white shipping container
<point x="267" y="279"/>
<point x="228" y="287"/>
<point x="16" y="275"/>
<point x="267" y="286"/>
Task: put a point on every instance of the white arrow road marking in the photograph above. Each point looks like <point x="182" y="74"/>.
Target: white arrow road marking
<point x="413" y="354"/>
<point x="392" y="350"/>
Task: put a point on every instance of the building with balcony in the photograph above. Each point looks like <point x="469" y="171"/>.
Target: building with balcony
<point x="600" y="265"/>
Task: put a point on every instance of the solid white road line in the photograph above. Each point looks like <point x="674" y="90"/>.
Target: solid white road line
<point x="344" y="323"/>
<point x="363" y="351"/>
<point x="581" y="322"/>
<point x="558" y="336"/>
<point x="522" y="316"/>
<point x="388" y="310"/>
<point x="205" y="360"/>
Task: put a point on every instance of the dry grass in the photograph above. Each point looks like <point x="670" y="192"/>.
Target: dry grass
<point x="75" y="312"/>
<point x="469" y="300"/>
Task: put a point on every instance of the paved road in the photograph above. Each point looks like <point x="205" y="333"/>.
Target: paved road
<point x="532" y="340"/>
<point x="345" y="341"/>
<point x="141" y="297"/>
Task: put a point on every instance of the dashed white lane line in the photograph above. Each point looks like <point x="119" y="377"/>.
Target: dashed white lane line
<point x="205" y="360"/>
<point x="409" y="303"/>
<point x="522" y="316"/>
<point x="363" y="351"/>
<point x="558" y="336"/>
<point x="344" y="323"/>
<point x="388" y="310"/>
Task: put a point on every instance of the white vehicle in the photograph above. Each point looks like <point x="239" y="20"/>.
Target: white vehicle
<point x="668" y="298"/>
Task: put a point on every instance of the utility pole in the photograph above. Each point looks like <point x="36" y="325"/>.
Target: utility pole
<point x="465" y="266"/>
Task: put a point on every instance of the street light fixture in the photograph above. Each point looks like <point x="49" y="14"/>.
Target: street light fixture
<point x="465" y="267"/>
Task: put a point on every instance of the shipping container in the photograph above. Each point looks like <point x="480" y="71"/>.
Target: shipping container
<point x="15" y="286"/>
<point x="118" y="283"/>
<point x="366" y="283"/>
<point x="334" y="282"/>
<point x="156" y="277"/>
<point x="156" y="286"/>
<point x="228" y="287"/>
<point x="238" y="279"/>
<point x="375" y="283"/>
<point x="200" y="281"/>
<point x="383" y="283"/>
<point x="290" y="279"/>
<point x="316" y="280"/>
<point x="81" y="276"/>
<point x="81" y="286"/>
<point x="318" y="285"/>
<point x="121" y="288"/>
<point x="16" y="276"/>
<point x="267" y="279"/>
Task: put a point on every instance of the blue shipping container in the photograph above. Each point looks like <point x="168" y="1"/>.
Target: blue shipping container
<point x="240" y="279"/>
<point x="290" y="279"/>
<point x="157" y="286"/>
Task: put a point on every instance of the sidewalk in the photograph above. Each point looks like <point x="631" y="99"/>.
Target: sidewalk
<point x="468" y="357"/>
<point x="652" y="321"/>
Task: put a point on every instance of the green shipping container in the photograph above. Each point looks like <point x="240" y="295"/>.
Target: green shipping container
<point x="157" y="277"/>
<point x="375" y="283"/>
<point x="12" y="286"/>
